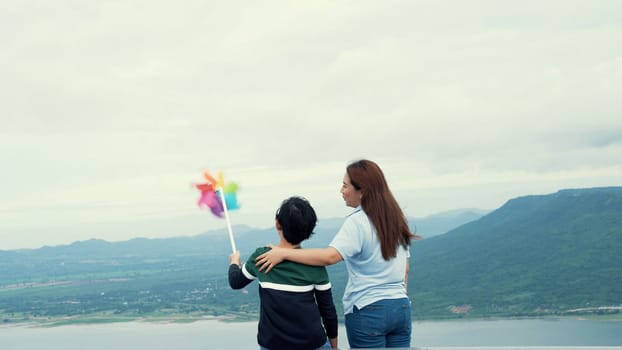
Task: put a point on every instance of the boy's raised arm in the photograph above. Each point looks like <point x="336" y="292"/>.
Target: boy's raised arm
<point x="237" y="280"/>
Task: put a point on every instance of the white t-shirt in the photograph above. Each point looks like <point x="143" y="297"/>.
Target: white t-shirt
<point x="370" y="277"/>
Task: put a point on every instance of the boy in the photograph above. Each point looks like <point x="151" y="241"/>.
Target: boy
<point x="296" y="299"/>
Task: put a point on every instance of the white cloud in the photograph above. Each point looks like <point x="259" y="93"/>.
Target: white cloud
<point x="111" y="109"/>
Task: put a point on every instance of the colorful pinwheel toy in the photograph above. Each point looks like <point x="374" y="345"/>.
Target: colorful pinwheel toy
<point x="219" y="198"/>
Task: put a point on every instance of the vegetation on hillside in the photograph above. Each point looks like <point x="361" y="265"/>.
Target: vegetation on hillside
<point x="535" y="256"/>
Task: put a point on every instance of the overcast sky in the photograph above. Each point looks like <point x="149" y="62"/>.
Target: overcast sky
<point x="111" y="109"/>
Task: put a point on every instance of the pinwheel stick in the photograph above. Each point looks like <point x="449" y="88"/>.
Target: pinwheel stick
<point x="224" y="206"/>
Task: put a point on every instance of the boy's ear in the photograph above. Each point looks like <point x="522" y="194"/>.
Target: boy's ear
<point x="277" y="224"/>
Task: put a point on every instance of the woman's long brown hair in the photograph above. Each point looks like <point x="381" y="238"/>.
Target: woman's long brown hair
<point x="381" y="207"/>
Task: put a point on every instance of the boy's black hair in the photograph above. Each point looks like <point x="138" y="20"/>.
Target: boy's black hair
<point x="297" y="219"/>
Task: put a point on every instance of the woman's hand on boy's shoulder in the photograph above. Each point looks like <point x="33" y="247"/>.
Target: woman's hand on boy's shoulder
<point x="270" y="259"/>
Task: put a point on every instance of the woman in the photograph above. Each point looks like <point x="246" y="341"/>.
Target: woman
<point x="374" y="242"/>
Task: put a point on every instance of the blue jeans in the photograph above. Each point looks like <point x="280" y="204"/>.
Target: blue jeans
<point x="383" y="324"/>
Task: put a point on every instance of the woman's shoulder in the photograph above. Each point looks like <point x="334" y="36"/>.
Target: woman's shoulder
<point x="356" y="223"/>
<point x="356" y="214"/>
<point x="358" y="218"/>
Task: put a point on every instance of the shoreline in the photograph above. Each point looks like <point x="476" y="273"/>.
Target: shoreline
<point x="93" y="320"/>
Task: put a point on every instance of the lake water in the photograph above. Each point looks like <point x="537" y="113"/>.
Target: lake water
<point x="212" y="334"/>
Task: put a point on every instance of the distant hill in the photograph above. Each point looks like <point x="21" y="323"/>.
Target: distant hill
<point x="427" y="226"/>
<point x="440" y="223"/>
<point x="542" y="254"/>
<point x="246" y="237"/>
<point x="535" y="255"/>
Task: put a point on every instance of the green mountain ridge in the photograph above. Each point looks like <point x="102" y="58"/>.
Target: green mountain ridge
<point x="535" y="255"/>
